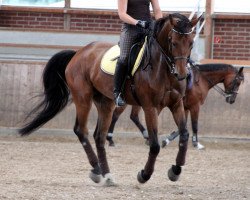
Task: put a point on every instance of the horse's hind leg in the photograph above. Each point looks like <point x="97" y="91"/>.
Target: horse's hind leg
<point x="105" y="109"/>
<point x="116" y="114"/>
<point x="180" y="120"/>
<point x="134" y="116"/>
<point x="174" y="134"/>
<point x="82" y="95"/>
<point x="194" y="112"/>
<point x="95" y="173"/>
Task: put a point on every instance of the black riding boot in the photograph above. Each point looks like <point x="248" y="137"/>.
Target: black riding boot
<point x="119" y="80"/>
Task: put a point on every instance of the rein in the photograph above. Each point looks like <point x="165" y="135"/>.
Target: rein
<point x="170" y="62"/>
<point x="221" y="91"/>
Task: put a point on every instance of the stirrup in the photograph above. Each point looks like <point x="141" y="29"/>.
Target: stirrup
<point x="119" y="101"/>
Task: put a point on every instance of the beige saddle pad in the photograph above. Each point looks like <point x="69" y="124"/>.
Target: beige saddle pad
<point x="109" y="59"/>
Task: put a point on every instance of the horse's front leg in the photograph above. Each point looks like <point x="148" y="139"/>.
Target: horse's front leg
<point x="180" y="120"/>
<point x="151" y="117"/>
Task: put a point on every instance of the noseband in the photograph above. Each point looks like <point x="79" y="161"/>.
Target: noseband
<point x="232" y="90"/>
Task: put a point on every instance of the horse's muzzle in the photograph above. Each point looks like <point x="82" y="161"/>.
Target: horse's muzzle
<point x="231" y="99"/>
<point x="180" y="77"/>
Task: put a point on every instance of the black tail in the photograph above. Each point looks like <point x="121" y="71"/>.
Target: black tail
<point x="56" y="92"/>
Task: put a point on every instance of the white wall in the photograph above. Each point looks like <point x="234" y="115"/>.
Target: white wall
<point x="240" y="6"/>
<point x="65" y="40"/>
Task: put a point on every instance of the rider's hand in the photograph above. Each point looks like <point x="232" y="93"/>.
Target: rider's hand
<point x="142" y="24"/>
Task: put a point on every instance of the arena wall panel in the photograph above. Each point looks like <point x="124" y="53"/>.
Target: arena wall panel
<point x="20" y="86"/>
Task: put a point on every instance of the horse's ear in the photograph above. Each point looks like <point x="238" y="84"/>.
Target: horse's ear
<point x="195" y="20"/>
<point x="241" y="70"/>
<point x="173" y="20"/>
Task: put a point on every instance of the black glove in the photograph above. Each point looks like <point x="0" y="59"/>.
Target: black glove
<point x="142" y="24"/>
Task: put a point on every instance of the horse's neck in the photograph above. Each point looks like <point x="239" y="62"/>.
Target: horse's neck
<point x="213" y="77"/>
<point x="156" y="72"/>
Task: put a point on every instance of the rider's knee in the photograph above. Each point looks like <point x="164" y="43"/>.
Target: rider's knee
<point x="122" y="61"/>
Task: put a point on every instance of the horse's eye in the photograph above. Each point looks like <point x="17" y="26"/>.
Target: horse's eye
<point x="191" y="45"/>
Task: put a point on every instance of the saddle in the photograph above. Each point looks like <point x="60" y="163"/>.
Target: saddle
<point x="109" y="60"/>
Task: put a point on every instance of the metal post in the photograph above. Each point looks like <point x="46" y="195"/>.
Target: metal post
<point x="208" y="29"/>
<point x="196" y="46"/>
<point x="198" y="24"/>
<point x="66" y="15"/>
<point x="67" y="3"/>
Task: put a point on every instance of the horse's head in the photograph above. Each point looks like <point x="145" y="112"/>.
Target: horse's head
<point x="232" y="84"/>
<point x="174" y="35"/>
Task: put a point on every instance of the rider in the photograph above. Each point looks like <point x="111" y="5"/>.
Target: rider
<point x="136" y="18"/>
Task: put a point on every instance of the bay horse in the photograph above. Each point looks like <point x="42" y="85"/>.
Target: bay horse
<point x="205" y="77"/>
<point x="159" y="84"/>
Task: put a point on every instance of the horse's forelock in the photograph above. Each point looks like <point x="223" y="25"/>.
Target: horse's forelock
<point x="183" y="26"/>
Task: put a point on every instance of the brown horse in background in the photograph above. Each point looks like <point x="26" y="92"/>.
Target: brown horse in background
<point x="157" y="85"/>
<point x="204" y="77"/>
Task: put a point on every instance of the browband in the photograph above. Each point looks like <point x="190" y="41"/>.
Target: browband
<point x="182" y="33"/>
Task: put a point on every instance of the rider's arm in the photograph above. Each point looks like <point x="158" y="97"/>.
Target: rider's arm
<point x="156" y="9"/>
<point x="122" y="12"/>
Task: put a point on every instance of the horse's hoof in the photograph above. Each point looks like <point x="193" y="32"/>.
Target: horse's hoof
<point x="165" y="143"/>
<point x="109" y="181"/>
<point x="111" y="143"/>
<point x="174" y="173"/>
<point x="97" y="178"/>
<point x="198" y="146"/>
<point x="109" y="137"/>
<point x="141" y="177"/>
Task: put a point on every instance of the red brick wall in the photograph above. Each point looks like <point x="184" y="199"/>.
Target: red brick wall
<point x="232" y="39"/>
<point x="96" y="23"/>
<point x="32" y="20"/>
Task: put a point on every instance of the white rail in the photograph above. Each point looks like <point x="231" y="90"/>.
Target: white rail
<point x="197" y="11"/>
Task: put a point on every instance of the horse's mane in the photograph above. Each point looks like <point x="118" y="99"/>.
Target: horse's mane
<point x="183" y="26"/>
<point x="215" y="67"/>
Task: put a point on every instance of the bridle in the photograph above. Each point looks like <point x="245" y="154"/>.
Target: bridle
<point x="225" y="93"/>
<point x="172" y="59"/>
<point x="233" y="90"/>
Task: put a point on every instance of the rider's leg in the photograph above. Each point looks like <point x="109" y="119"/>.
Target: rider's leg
<point x="119" y="79"/>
